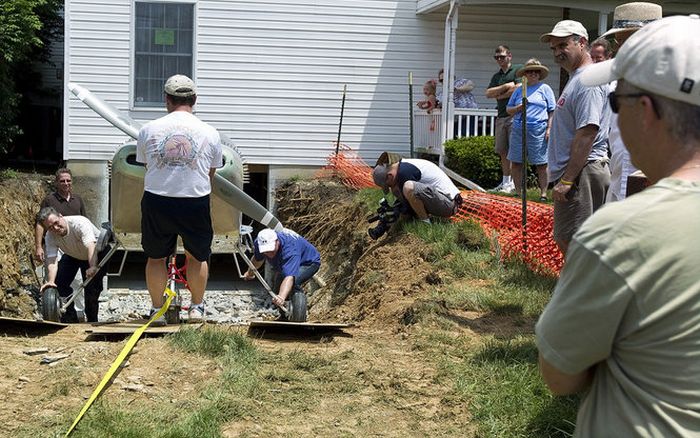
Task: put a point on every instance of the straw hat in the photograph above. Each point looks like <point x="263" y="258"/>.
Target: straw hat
<point x="632" y="16"/>
<point x="533" y="64"/>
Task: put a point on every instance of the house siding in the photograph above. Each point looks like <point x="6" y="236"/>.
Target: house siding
<point x="270" y="73"/>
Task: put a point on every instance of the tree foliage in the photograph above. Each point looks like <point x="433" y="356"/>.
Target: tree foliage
<point x="26" y="30"/>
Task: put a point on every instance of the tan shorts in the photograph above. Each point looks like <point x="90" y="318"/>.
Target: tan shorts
<point x="584" y="198"/>
<point x="502" y="134"/>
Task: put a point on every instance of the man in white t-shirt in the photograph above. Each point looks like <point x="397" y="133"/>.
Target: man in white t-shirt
<point x="181" y="154"/>
<point x="77" y="238"/>
<point x="421" y="184"/>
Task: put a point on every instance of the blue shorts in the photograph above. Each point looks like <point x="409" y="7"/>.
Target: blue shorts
<point x="164" y="218"/>
<point x="536" y="144"/>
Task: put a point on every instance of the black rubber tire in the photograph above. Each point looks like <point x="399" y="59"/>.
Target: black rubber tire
<point x="298" y="307"/>
<point x="51" y="305"/>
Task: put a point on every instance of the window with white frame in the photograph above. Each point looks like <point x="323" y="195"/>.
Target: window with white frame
<point x="164" y="44"/>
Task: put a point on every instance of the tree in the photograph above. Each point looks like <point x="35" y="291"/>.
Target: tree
<point x="27" y="28"/>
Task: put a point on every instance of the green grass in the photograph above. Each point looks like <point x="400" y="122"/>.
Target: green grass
<point x="8" y="173"/>
<point x="499" y="378"/>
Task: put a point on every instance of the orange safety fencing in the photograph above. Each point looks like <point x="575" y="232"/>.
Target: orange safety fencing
<point x="499" y="216"/>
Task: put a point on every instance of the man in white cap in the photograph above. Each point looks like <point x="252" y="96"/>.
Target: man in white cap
<point x="292" y="257"/>
<point x="578" y="140"/>
<point x="624" y="320"/>
<point x="627" y="19"/>
<point x="181" y="154"/>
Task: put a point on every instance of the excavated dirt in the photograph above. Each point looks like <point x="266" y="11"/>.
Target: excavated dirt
<point x="375" y="282"/>
<point x="19" y="202"/>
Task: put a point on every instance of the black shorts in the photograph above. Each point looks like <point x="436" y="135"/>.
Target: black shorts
<point x="164" y="218"/>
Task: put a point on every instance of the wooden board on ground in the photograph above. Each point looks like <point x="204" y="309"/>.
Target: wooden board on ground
<point x="30" y="323"/>
<point x="299" y="325"/>
<point x="129" y="327"/>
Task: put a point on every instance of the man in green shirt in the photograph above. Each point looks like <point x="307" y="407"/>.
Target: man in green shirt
<point x="624" y="320"/>
<point x="500" y="88"/>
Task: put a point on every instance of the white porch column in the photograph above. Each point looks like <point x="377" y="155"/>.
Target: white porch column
<point x="451" y="24"/>
<point x="602" y="23"/>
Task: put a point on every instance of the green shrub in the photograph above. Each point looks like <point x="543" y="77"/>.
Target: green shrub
<point x="475" y="159"/>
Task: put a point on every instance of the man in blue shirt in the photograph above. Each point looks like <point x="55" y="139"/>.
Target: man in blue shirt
<point x="291" y="256"/>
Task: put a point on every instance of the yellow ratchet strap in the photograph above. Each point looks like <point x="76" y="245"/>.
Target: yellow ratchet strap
<point x="118" y="361"/>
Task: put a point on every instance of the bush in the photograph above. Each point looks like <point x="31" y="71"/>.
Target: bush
<point x="475" y="159"/>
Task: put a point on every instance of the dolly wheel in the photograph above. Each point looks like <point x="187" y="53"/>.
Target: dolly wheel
<point x="298" y="307"/>
<point x="51" y="305"/>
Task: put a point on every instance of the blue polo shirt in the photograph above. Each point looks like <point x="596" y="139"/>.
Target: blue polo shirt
<point x="294" y="251"/>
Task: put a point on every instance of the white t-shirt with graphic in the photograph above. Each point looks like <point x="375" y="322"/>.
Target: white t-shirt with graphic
<point x="178" y="150"/>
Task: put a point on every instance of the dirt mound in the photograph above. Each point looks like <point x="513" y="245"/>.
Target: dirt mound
<point x="371" y="281"/>
<point x="19" y="201"/>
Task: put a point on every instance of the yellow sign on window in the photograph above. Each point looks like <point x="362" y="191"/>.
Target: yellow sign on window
<point x="165" y="37"/>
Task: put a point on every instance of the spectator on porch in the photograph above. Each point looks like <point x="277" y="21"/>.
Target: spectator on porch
<point x="540" y="107"/>
<point x="463" y="97"/>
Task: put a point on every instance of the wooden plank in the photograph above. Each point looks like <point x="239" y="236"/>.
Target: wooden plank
<point x="4" y="320"/>
<point x="299" y="325"/>
<point x="127" y="328"/>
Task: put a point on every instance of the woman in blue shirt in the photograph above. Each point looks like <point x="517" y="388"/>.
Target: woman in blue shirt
<point x="540" y="107"/>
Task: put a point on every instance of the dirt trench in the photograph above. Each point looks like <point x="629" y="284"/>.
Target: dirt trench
<point x="374" y="282"/>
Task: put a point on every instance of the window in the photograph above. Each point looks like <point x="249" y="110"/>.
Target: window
<point x="164" y="41"/>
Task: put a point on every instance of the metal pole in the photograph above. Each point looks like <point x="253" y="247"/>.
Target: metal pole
<point x="340" y="125"/>
<point x="523" y="187"/>
<point x="410" y="110"/>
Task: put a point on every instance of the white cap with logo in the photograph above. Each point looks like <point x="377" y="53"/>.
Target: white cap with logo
<point x="663" y="58"/>
<point x="266" y="240"/>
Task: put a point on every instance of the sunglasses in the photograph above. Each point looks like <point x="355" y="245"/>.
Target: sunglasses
<point x="615" y="105"/>
<point x="500" y="57"/>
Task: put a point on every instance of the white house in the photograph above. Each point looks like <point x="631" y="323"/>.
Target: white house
<point x="270" y="73"/>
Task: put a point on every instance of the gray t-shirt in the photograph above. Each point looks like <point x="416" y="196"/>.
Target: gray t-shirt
<point x="81" y="232"/>
<point x="577" y="107"/>
<point x="628" y="304"/>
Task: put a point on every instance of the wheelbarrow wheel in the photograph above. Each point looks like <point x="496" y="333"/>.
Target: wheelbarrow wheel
<point x="298" y="307"/>
<point x="51" y="305"/>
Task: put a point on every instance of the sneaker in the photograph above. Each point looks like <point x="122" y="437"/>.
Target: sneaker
<point x="196" y="313"/>
<point x="158" y="322"/>
<point x="498" y="188"/>
<point x="507" y="188"/>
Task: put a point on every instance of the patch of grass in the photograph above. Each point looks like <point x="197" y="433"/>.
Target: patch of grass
<point x="370" y="198"/>
<point x="213" y="342"/>
<point x="8" y="173"/>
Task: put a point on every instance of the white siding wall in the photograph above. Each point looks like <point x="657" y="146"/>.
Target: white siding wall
<point x="270" y="73"/>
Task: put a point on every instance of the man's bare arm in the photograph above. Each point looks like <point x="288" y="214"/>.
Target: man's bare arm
<point x="580" y="150"/>
<point x="561" y="383"/>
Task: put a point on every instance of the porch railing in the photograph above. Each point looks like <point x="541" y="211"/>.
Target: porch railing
<point x="468" y="123"/>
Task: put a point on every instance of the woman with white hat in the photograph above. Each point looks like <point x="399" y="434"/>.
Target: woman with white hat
<point x="540" y="106"/>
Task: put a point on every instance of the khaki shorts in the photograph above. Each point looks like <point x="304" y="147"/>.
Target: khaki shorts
<point x="585" y="197"/>
<point x="503" y="134"/>
<point x="436" y="203"/>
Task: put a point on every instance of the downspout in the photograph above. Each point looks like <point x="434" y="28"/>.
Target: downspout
<point x="451" y="22"/>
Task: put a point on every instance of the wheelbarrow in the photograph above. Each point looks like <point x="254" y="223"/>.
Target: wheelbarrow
<point x="53" y="306"/>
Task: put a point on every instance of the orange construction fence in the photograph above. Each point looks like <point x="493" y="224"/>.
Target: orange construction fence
<point x="499" y="216"/>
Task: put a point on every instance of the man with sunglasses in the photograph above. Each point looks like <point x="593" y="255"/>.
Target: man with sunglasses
<point x="627" y="19"/>
<point x="624" y="319"/>
<point x="578" y="140"/>
<point x="502" y="85"/>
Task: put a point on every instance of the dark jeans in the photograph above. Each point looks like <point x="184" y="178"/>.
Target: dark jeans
<point x="67" y="268"/>
<point x="305" y="274"/>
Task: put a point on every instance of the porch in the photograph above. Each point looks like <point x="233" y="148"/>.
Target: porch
<point x="427" y="134"/>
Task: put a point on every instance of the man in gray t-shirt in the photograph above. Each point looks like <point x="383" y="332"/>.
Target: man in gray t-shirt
<point x="623" y="325"/>
<point x="577" y="161"/>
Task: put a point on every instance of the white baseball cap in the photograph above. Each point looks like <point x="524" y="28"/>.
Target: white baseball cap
<point x="565" y="28"/>
<point x="180" y="86"/>
<point x="663" y="58"/>
<point x="266" y="240"/>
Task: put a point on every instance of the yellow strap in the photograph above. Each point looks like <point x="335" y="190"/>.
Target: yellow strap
<point x="122" y="355"/>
